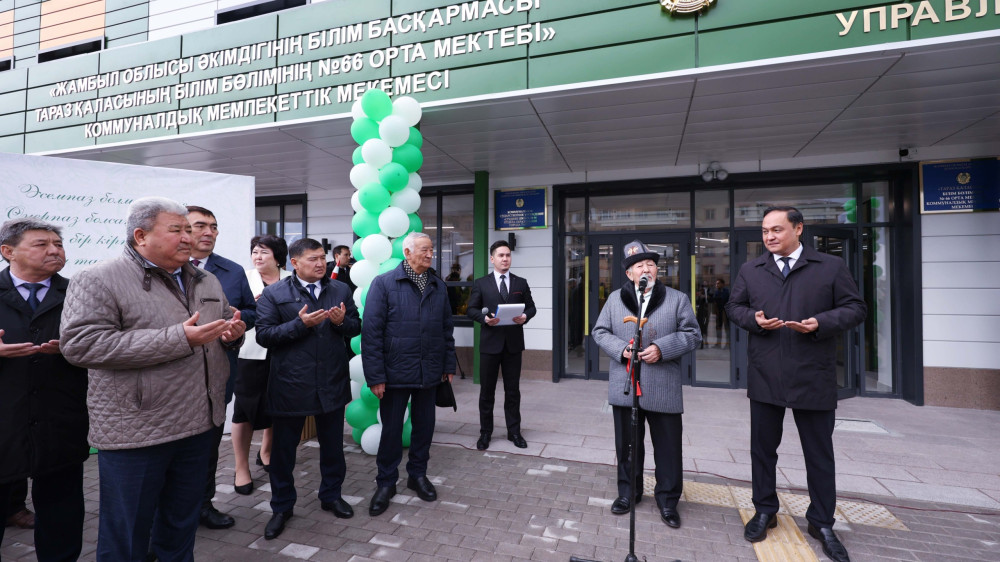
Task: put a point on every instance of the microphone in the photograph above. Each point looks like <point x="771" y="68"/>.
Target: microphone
<point x="486" y="312"/>
<point x="643" y="281"/>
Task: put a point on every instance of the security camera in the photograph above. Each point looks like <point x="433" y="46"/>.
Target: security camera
<point x="904" y="152"/>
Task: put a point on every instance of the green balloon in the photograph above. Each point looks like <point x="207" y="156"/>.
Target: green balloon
<point x="357" y="158"/>
<point x="376" y="104"/>
<point x="850" y="205"/>
<point x="389" y="265"/>
<point x="407" y="431"/>
<point x="369" y="397"/>
<point x="397" y="244"/>
<point x="374" y="198"/>
<point x="416" y="139"/>
<point x="416" y="225"/>
<point x="874" y="202"/>
<point x="365" y="223"/>
<point x="356" y="345"/>
<point x="356" y="250"/>
<point x="359" y="414"/>
<point x="356" y="435"/>
<point x="361" y="312"/>
<point x="852" y="215"/>
<point x="877" y="271"/>
<point x="409" y="157"/>
<point x="393" y="176"/>
<point x="364" y="129"/>
<point x="876" y="248"/>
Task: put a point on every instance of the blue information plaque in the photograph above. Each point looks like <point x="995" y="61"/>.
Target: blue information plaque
<point x="960" y="186"/>
<point x="520" y="208"/>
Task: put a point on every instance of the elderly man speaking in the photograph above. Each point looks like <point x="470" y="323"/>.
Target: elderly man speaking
<point x="671" y="331"/>
<point x="153" y="330"/>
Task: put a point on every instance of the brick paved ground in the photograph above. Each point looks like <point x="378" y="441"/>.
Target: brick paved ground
<point x="552" y="500"/>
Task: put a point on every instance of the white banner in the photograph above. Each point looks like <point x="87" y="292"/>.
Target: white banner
<point x="90" y="201"/>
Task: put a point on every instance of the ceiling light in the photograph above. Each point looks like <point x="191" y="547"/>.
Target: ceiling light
<point x="714" y="172"/>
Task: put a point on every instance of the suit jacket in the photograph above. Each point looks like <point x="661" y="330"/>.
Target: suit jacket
<point x="344" y="275"/>
<point x="234" y="284"/>
<point x="787" y="368"/>
<point x="498" y="339"/>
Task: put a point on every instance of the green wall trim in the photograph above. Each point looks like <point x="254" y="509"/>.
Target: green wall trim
<point x="545" y="43"/>
<point x="480" y="249"/>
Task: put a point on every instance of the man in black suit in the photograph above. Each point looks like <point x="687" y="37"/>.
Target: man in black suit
<point x="796" y="303"/>
<point x="233" y="278"/>
<point x="340" y="267"/>
<point x="500" y="347"/>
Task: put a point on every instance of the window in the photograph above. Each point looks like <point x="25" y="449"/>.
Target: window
<point x="80" y="48"/>
<point x="5" y="64"/>
<point x="281" y="216"/>
<point x="447" y="218"/>
<point x="253" y="9"/>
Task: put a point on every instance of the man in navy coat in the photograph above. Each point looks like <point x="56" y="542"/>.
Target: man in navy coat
<point x="795" y="302"/>
<point x="500" y="347"/>
<point x="204" y="232"/>
<point x="303" y="321"/>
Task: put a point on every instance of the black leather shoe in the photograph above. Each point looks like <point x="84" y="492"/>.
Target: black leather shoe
<point x="832" y="546"/>
<point x="518" y="441"/>
<point x="260" y="462"/>
<point x="380" y="501"/>
<point x="621" y="506"/>
<point x="671" y="517"/>
<point x="484" y="441"/>
<point x="215" y="519"/>
<point x="423" y="487"/>
<point x="756" y="528"/>
<point x="243" y="489"/>
<point x="338" y="507"/>
<point x="277" y="524"/>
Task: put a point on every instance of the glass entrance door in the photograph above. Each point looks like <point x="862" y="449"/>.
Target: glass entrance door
<point x="748" y="245"/>
<point x="840" y="242"/>
<point x="605" y="275"/>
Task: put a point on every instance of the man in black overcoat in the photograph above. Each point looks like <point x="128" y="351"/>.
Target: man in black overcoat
<point x="43" y="405"/>
<point x="795" y="302"/>
<point x="500" y="347"/>
<point x="303" y="321"/>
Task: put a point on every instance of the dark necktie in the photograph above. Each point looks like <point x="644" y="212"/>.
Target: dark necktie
<point x="196" y="262"/>
<point x="503" y="288"/>
<point x="33" y="289"/>
<point x="785" y="270"/>
<point x="312" y="290"/>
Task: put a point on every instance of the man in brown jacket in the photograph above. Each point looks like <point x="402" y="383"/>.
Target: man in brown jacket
<point x="152" y="329"/>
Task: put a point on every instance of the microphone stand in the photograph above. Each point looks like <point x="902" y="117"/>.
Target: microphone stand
<point x="632" y="384"/>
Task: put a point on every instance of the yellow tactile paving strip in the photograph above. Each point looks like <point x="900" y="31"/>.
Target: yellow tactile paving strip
<point x="786" y="541"/>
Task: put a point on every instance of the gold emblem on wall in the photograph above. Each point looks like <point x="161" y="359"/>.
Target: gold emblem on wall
<point x="519" y="202"/>
<point x="685" y="6"/>
<point x="964" y="178"/>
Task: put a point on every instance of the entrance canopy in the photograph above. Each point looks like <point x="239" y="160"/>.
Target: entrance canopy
<point x="936" y="98"/>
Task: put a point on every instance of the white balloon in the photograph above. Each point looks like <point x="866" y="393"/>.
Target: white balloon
<point x="394" y="130"/>
<point x="393" y="222"/>
<point x="407" y="200"/>
<point x="363" y="174"/>
<point x="362" y="276"/>
<point x="357" y="370"/>
<point x="376" y="152"/>
<point x="357" y="298"/>
<point x="407" y="108"/>
<point x="370" y="438"/>
<point x="357" y="112"/>
<point x="378" y="416"/>
<point x="356" y="202"/>
<point x="376" y="247"/>
<point x="355" y="390"/>
<point x="415" y="182"/>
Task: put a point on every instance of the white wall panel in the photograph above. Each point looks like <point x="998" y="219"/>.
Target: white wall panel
<point x="960" y="224"/>
<point x="944" y="328"/>
<point x="961" y="248"/>
<point x="962" y="275"/>
<point x="961" y="302"/>
<point x="963" y="355"/>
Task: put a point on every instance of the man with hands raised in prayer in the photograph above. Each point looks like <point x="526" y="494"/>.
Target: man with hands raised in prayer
<point x="303" y="321"/>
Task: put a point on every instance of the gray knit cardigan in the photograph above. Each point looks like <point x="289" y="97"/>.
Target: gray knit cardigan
<point x="672" y="327"/>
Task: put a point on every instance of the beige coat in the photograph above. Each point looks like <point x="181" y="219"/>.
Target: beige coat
<point x="122" y="320"/>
